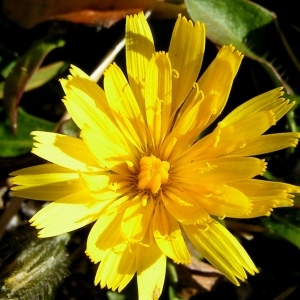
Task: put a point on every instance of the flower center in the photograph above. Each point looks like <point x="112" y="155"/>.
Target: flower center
<point x="153" y="173"/>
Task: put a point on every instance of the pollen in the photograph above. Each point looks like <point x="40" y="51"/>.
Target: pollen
<point x="153" y="173"/>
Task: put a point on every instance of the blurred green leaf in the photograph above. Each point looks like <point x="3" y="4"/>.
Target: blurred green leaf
<point x="7" y="58"/>
<point x="69" y="127"/>
<point x="173" y="281"/>
<point x="32" y="268"/>
<point x="22" y="72"/>
<point x="115" y="296"/>
<point x="11" y="145"/>
<point x="39" y="78"/>
<point x="285" y="224"/>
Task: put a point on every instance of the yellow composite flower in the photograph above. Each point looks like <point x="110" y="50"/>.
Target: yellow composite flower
<point x="139" y="170"/>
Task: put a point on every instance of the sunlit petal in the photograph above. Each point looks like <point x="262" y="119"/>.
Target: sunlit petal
<point x="136" y="219"/>
<point x="151" y="270"/>
<point x="124" y="106"/>
<point x="67" y="214"/>
<point x="117" y="268"/>
<point x="100" y="239"/>
<point x="184" y="207"/>
<point x="268" y="143"/>
<point x="107" y="153"/>
<point x="186" y="54"/>
<point x="168" y="236"/>
<point x="211" y="241"/>
<point x="220" y="170"/>
<point x="218" y="78"/>
<point x="158" y="96"/>
<point x="63" y="150"/>
<point x="139" y="50"/>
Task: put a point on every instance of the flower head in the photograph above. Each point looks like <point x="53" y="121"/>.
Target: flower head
<point x="139" y="170"/>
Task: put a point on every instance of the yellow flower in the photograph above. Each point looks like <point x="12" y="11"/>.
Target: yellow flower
<point x="140" y="171"/>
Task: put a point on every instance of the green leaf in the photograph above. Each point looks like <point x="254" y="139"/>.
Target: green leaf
<point x="173" y="281"/>
<point x="115" y="296"/>
<point x="285" y="224"/>
<point x="39" y="78"/>
<point x="69" y="128"/>
<point x="31" y="267"/>
<point x="7" y="58"/>
<point x="22" y="72"/>
<point x="11" y="145"/>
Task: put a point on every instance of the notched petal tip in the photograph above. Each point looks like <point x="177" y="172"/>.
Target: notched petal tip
<point x="264" y="167"/>
<point x="234" y="50"/>
<point x="139" y="15"/>
<point x="182" y="21"/>
<point x="77" y="72"/>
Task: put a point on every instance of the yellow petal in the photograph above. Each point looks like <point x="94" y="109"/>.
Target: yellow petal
<point x="227" y="138"/>
<point x="102" y="188"/>
<point x="219" y="170"/>
<point x="48" y="192"/>
<point x="93" y="118"/>
<point x="42" y="169"/>
<point x="42" y="174"/>
<point x="255" y="187"/>
<point x="101" y="240"/>
<point x="225" y="201"/>
<point x="268" y="143"/>
<point x="168" y="236"/>
<point x="183" y="206"/>
<point x="124" y="107"/>
<point x="186" y="55"/>
<point x="86" y="103"/>
<point x="270" y="100"/>
<point x="66" y="214"/>
<point x="263" y="206"/>
<point x="158" y="96"/>
<point x="266" y="195"/>
<point x="117" y="268"/>
<point x="139" y="50"/>
<point x="85" y="100"/>
<point x="107" y="153"/>
<point x="45" y="182"/>
<point x="221" y="249"/>
<point x="218" y="78"/>
<point x="136" y="218"/>
<point x="151" y="270"/>
<point x="63" y="150"/>
<point x="188" y="126"/>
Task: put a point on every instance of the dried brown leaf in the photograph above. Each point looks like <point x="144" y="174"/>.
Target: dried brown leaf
<point x="28" y="13"/>
<point x="196" y="278"/>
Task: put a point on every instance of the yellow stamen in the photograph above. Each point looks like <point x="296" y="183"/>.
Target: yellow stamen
<point x="153" y="173"/>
